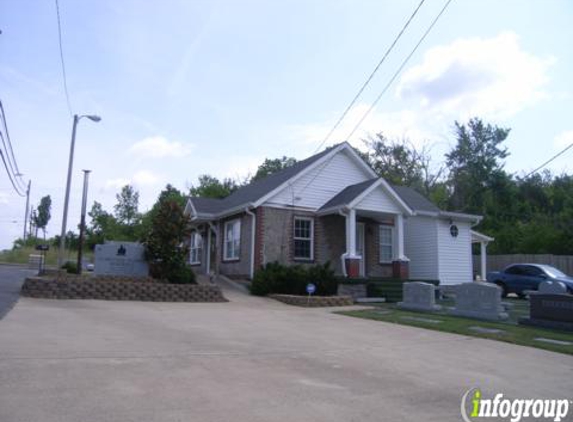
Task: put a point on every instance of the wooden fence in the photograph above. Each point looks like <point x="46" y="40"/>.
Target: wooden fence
<point x="499" y="262"/>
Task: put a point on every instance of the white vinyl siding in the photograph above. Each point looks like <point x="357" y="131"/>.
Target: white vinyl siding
<point x="195" y="248"/>
<point x="318" y="186"/>
<point x="303" y="238"/>
<point x="386" y="240"/>
<point x="455" y="259"/>
<point x="378" y="200"/>
<point x="232" y="241"/>
<point x="421" y="247"/>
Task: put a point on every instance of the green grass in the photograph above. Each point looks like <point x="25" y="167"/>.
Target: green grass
<point x="21" y="256"/>
<point x="513" y="333"/>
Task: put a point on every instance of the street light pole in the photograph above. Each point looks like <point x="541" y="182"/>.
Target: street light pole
<point x="83" y="219"/>
<point x="68" y="183"/>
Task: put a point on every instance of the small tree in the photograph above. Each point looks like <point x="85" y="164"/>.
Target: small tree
<point x="166" y="243"/>
<point x="41" y="218"/>
<point x="126" y="209"/>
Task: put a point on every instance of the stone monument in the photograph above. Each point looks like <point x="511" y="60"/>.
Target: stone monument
<point x="120" y="258"/>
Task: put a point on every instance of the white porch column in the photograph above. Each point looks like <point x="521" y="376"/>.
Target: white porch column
<point x="208" y="258"/>
<point x="483" y="257"/>
<point x="399" y="227"/>
<point x="351" y="233"/>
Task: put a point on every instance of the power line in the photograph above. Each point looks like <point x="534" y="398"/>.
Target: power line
<point x="399" y="69"/>
<point x="370" y="77"/>
<point x="548" y="161"/>
<point x="8" y="170"/>
<point x="16" y="172"/>
<point x="8" y="136"/>
<point x="386" y="87"/>
<point x="62" y="59"/>
<point x="13" y="172"/>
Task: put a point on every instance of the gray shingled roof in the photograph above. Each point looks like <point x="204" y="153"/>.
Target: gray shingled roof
<point x="255" y="190"/>
<point x="348" y="194"/>
<point x="415" y="200"/>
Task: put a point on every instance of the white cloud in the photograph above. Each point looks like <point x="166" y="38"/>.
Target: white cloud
<point x="159" y="147"/>
<point x="399" y="124"/>
<point x="145" y="178"/>
<point x="490" y="77"/>
<point x="564" y="139"/>
<point x="117" y="183"/>
<point x="140" y="178"/>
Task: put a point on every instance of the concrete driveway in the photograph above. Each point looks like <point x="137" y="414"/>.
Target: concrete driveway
<point x="248" y="360"/>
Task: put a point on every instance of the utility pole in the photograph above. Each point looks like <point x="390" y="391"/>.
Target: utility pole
<point x="31" y="221"/>
<point x="27" y="205"/>
<point x="83" y="219"/>
<point x="62" y="248"/>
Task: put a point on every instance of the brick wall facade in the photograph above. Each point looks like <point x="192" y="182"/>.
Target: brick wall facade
<point x="372" y="245"/>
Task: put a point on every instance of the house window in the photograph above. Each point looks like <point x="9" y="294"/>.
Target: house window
<point x="196" y="248"/>
<point x="303" y="238"/>
<point x="386" y="244"/>
<point x="232" y="242"/>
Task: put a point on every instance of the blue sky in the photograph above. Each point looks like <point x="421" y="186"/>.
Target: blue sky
<point x="192" y="87"/>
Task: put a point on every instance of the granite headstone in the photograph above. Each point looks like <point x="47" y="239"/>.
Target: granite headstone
<point x="479" y="300"/>
<point x="552" y="287"/>
<point x="419" y="296"/>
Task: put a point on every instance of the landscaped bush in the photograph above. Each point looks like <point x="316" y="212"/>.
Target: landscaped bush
<point x="70" y="267"/>
<point x="281" y="279"/>
<point x="181" y="275"/>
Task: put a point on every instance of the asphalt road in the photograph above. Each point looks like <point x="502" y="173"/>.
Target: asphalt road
<point x="250" y="360"/>
<point x="11" y="279"/>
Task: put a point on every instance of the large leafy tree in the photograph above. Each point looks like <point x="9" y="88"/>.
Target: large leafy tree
<point x="211" y="187"/>
<point x="42" y="216"/>
<point x="103" y="226"/>
<point x="474" y="163"/>
<point x="272" y="165"/>
<point x="401" y="163"/>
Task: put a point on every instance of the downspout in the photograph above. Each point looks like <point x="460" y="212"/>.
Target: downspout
<point x="253" y="235"/>
<point x="345" y="254"/>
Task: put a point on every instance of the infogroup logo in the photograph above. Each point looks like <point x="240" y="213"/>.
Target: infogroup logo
<point x="475" y="407"/>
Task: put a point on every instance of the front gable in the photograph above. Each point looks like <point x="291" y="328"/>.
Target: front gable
<point x="378" y="200"/>
<point x="318" y="185"/>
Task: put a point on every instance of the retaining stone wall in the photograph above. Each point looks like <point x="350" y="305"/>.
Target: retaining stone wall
<point x="315" y="301"/>
<point x="38" y="287"/>
<point x="356" y="291"/>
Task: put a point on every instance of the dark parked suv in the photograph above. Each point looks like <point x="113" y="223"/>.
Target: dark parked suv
<point x="518" y="278"/>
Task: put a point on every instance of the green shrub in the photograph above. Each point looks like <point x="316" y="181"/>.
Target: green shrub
<point x="281" y="279"/>
<point x="70" y="267"/>
<point x="181" y="275"/>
